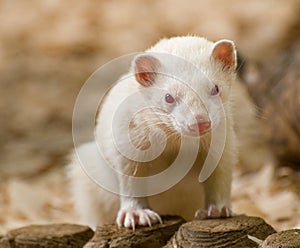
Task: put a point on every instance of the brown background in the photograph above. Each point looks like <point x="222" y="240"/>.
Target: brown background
<point x="49" y="48"/>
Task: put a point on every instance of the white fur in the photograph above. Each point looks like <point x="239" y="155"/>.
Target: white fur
<point x="96" y="206"/>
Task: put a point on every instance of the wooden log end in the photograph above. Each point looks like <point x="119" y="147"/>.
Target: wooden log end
<point x="228" y="232"/>
<point x="146" y="237"/>
<point x="284" y="239"/>
<point x="53" y="235"/>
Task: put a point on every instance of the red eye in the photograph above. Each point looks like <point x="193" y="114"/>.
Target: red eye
<point x="169" y="98"/>
<point x="215" y="90"/>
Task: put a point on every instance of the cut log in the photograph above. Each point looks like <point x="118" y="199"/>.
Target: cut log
<point x="50" y="236"/>
<point x="229" y="232"/>
<point x="143" y="237"/>
<point x="284" y="239"/>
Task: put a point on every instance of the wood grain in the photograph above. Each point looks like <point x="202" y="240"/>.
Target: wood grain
<point x="50" y="236"/>
<point x="217" y="233"/>
<point x="284" y="239"/>
<point x="109" y="236"/>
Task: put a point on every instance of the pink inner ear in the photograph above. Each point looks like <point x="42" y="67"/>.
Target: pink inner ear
<point x="145" y="69"/>
<point x="224" y="52"/>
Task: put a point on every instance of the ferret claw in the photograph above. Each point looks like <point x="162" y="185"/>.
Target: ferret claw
<point x="213" y="212"/>
<point x="130" y="218"/>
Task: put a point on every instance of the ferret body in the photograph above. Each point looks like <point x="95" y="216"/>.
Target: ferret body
<point x="195" y="109"/>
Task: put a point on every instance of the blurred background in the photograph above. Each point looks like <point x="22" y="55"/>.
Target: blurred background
<point x="48" y="49"/>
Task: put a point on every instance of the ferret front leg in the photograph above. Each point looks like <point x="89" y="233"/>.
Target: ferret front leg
<point x="217" y="190"/>
<point x="134" y="212"/>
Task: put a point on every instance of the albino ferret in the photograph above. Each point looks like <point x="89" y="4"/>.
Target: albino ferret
<point x="190" y="87"/>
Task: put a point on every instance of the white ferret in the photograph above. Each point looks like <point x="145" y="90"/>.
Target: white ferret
<point x="193" y="103"/>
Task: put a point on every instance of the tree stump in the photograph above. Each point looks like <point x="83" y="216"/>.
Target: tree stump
<point x="50" y="236"/>
<point x="274" y="86"/>
<point x="229" y="232"/>
<point x="284" y="239"/>
<point x="143" y="237"/>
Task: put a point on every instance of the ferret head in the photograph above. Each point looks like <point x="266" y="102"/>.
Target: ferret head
<point x="188" y="81"/>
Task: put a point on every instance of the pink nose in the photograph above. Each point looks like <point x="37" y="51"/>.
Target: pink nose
<point x="201" y="126"/>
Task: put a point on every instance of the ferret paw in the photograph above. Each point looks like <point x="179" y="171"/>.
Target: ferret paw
<point x="130" y="218"/>
<point x="213" y="212"/>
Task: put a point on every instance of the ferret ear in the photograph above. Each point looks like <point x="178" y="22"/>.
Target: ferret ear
<point x="224" y="51"/>
<point x="145" y="68"/>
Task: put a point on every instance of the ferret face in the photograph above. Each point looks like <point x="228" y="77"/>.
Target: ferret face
<point x="190" y="102"/>
<point x="189" y="110"/>
<point x="192" y="111"/>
